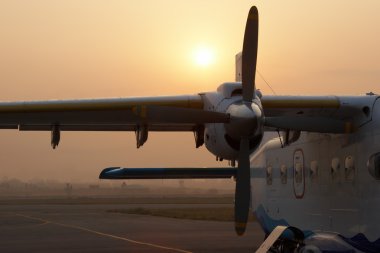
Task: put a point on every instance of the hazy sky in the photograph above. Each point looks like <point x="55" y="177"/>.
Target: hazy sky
<point x="84" y="49"/>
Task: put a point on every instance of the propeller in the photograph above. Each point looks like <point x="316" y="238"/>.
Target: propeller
<point x="249" y="58"/>
<point x="243" y="185"/>
<point x="249" y="54"/>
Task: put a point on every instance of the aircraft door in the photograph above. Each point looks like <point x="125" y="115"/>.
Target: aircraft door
<point x="298" y="174"/>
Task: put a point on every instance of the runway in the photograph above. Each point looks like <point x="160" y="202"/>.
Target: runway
<point x="90" y="228"/>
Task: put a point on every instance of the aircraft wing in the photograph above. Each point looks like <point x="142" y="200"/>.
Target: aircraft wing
<point x="171" y="113"/>
<point x="323" y="114"/>
<point x="167" y="173"/>
<point x="183" y="113"/>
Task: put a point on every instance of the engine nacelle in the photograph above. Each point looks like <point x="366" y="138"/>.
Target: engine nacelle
<point x="217" y="144"/>
<point x="223" y="140"/>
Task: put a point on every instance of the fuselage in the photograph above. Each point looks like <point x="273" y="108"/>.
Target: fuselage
<point x="322" y="183"/>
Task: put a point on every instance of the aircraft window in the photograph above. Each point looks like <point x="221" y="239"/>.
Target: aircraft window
<point x="335" y="166"/>
<point x="298" y="176"/>
<point x="284" y="174"/>
<point x="269" y="175"/>
<point x="373" y="165"/>
<point x="349" y="168"/>
<point x="313" y="170"/>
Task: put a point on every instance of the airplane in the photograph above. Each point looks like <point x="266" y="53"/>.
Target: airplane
<point x="308" y="167"/>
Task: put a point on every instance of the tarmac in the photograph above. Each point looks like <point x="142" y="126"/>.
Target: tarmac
<point x="90" y="228"/>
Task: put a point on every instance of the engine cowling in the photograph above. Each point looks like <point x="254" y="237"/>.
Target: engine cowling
<point x="217" y="144"/>
<point x="223" y="140"/>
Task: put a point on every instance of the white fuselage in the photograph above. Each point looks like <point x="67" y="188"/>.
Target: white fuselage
<point x="320" y="183"/>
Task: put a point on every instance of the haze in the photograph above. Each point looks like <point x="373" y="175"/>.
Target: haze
<point x="85" y="49"/>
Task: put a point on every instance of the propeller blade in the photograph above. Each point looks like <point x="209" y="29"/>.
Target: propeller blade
<point x="249" y="54"/>
<point x="243" y="188"/>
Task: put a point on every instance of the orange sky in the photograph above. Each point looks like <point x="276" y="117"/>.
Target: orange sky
<point x="80" y="49"/>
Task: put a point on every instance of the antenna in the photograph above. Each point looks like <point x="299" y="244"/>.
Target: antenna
<point x="265" y="81"/>
<point x="238" y="62"/>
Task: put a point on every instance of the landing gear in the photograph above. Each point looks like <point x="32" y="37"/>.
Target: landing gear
<point x="310" y="249"/>
<point x="274" y="243"/>
<point x="285" y="246"/>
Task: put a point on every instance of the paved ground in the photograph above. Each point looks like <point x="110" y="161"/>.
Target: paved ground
<point x="90" y="228"/>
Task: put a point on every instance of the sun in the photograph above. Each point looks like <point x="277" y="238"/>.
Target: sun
<point x="203" y="56"/>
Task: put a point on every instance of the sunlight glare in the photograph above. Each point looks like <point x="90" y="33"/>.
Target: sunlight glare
<point x="203" y="56"/>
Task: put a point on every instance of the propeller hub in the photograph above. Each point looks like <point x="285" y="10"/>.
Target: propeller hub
<point x="245" y="120"/>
